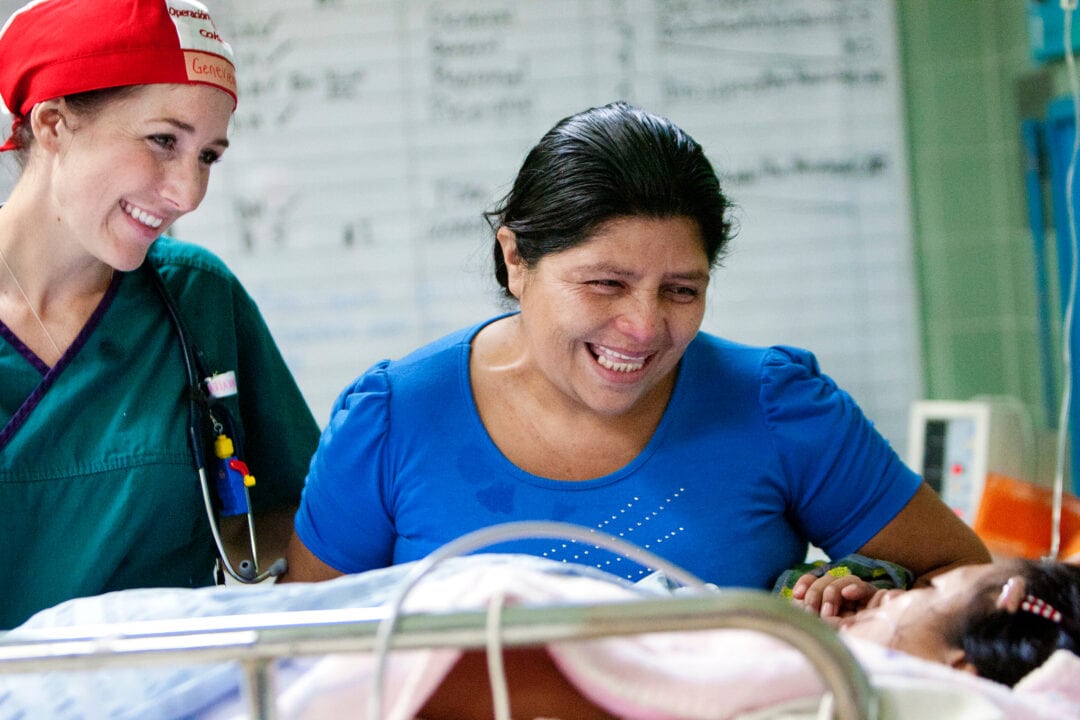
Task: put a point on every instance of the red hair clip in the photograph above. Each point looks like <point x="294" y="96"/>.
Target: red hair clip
<point x="1038" y="606"/>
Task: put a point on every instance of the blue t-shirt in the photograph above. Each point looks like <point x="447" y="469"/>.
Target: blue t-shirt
<point x="757" y="454"/>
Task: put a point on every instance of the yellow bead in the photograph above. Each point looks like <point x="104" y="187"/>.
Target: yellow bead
<point x="223" y="446"/>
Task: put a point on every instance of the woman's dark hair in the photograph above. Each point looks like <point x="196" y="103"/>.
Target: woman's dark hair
<point x="605" y="163"/>
<point x="85" y="103"/>
<point x="1005" y="646"/>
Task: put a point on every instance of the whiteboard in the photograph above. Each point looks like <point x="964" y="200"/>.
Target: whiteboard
<point x="372" y="134"/>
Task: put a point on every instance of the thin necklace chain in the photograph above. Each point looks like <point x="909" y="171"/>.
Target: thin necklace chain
<point x="30" y="305"/>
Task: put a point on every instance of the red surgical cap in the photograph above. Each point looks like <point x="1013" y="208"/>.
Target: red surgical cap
<point x="52" y="48"/>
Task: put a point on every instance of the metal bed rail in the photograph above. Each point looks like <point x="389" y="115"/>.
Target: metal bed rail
<point x="256" y="641"/>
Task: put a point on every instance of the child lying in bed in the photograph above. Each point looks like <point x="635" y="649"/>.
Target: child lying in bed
<point x="998" y="621"/>
<point x="690" y="675"/>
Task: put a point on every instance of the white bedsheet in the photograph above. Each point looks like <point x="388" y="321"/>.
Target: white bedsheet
<point x="710" y="674"/>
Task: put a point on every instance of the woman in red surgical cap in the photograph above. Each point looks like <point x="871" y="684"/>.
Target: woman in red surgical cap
<point x="134" y="366"/>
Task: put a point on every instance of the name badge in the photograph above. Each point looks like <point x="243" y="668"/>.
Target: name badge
<point x="221" y="385"/>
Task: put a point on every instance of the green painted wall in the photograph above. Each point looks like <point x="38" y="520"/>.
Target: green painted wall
<point x="965" y="65"/>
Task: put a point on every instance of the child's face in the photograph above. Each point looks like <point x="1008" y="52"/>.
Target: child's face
<point x="914" y="621"/>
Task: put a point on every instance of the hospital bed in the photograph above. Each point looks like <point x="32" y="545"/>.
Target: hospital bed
<point x="256" y="642"/>
<point x="196" y="657"/>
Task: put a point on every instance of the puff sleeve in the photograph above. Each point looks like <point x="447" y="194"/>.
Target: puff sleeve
<point x="343" y="518"/>
<point x="845" y="481"/>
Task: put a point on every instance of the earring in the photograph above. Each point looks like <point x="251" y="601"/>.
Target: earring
<point x="1012" y="594"/>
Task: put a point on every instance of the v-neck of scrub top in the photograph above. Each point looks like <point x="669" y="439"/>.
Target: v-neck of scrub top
<point x="31" y="378"/>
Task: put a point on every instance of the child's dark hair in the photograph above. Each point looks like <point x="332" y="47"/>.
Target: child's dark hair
<point x="1005" y="646"/>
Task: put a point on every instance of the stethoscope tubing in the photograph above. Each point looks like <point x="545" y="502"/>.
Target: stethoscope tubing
<point x="248" y="571"/>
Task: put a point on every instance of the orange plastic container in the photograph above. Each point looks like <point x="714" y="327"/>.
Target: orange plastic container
<point x="1014" y="518"/>
<point x="1071" y="551"/>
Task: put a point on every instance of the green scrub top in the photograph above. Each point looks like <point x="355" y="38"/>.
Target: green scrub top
<point x="97" y="481"/>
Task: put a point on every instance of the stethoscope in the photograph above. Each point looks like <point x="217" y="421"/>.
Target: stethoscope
<point x="233" y="482"/>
